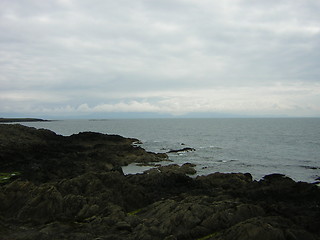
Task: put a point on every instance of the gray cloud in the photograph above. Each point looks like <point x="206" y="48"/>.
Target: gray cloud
<point x="82" y="56"/>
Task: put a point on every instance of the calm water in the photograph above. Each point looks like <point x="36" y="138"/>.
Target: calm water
<point x="258" y="146"/>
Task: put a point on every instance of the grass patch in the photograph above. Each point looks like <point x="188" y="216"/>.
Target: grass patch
<point x="6" y="177"/>
<point x="209" y="236"/>
<point x="135" y="212"/>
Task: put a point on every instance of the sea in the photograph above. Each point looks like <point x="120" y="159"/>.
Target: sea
<point x="289" y="146"/>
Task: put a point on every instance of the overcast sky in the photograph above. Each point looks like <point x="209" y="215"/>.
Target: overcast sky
<point x="173" y="57"/>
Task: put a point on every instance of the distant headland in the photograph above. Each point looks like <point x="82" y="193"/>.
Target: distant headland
<point x="8" y="120"/>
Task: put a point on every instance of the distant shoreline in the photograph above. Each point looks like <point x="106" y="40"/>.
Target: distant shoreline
<point x="9" y="120"/>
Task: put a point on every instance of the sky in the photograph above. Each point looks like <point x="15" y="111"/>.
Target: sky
<point x="174" y="58"/>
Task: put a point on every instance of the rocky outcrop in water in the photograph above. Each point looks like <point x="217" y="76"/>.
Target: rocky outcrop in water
<point x="186" y="149"/>
<point x="73" y="188"/>
<point x="43" y="156"/>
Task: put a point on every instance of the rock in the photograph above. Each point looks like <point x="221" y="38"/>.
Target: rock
<point x="56" y="228"/>
<point x="44" y="205"/>
<point x="186" y="149"/>
<point x="73" y="188"/>
<point x="152" y="171"/>
<point x="73" y="204"/>
<point x="264" y="229"/>
<point x="276" y="177"/>
<point x="186" y="168"/>
<point x="88" y="211"/>
<point x="123" y="226"/>
<point x="42" y="156"/>
<point x="171" y="237"/>
<point x="27" y="202"/>
<point x="192" y="217"/>
<point x="225" y="181"/>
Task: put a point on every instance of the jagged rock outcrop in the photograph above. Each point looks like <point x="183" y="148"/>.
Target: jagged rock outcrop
<point x="73" y="188"/>
<point x="43" y="156"/>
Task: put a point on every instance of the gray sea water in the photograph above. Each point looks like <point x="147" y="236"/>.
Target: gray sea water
<point x="258" y="146"/>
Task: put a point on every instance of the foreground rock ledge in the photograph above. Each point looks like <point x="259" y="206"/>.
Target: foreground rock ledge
<point x="55" y="187"/>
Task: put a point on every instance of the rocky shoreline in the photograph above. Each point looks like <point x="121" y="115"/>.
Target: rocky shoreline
<point x="56" y="187"/>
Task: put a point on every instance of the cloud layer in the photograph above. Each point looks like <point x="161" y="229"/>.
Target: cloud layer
<point x="173" y="57"/>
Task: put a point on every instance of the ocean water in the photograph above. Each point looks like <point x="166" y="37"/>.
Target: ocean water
<point x="258" y="146"/>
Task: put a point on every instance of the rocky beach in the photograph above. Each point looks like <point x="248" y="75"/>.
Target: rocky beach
<point x="58" y="187"/>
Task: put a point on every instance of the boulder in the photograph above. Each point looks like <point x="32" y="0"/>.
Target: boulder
<point x="186" y="149"/>
<point x="186" y="168"/>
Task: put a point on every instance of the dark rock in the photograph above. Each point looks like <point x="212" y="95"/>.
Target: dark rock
<point x="186" y="168"/>
<point x="123" y="226"/>
<point x="264" y="228"/>
<point x="276" y="177"/>
<point x="226" y="181"/>
<point x="73" y="188"/>
<point x="186" y="149"/>
<point x="42" y="156"/>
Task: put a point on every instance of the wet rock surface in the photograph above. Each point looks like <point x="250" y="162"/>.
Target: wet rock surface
<point x="186" y="149"/>
<point x="73" y="188"/>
